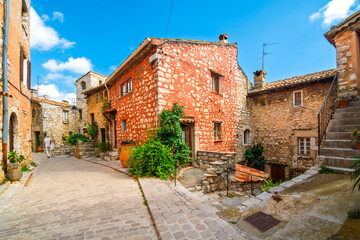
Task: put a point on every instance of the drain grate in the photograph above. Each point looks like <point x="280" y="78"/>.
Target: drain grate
<point x="262" y="221"/>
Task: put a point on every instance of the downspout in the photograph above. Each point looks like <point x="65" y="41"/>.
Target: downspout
<point x="5" y="88"/>
<point x="108" y="98"/>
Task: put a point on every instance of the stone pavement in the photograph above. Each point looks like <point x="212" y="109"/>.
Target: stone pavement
<point x="67" y="198"/>
<point x="180" y="214"/>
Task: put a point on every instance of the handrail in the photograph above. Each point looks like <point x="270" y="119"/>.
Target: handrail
<point x="326" y="112"/>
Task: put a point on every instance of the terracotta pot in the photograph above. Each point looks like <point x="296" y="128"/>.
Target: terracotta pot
<point x="38" y="148"/>
<point x="358" y="145"/>
<point x="342" y="103"/>
<point x="14" y="174"/>
<point x="125" y="154"/>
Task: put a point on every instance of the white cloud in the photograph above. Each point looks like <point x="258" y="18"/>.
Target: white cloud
<point x="58" y="16"/>
<point x="333" y="11"/>
<point x="113" y="67"/>
<point x="76" y="65"/>
<point x="43" y="37"/>
<point x="58" y="77"/>
<point x="45" y="17"/>
<point x="52" y="91"/>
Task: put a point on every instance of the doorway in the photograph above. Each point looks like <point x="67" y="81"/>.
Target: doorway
<point x="13" y="133"/>
<point x="103" y="135"/>
<point x="188" y="136"/>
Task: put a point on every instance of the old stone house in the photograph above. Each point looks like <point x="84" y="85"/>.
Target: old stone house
<point x="97" y="98"/>
<point x="284" y="117"/>
<point x="17" y="70"/>
<point x="202" y="76"/>
<point x="53" y="118"/>
<point x="89" y="80"/>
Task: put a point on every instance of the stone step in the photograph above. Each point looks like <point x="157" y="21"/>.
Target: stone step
<point x="86" y="149"/>
<point x="338" y="135"/>
<point x="340" y="169"/>
<point x="348" y="109"/>
<point x="337" y="161"/>
<point x="340" y="152"/>
<point x="346" y="115"/>
<point x="337" y="144"/>
<point x="354" y="103"/>
<point x="345" y="121"/>
<point x="343" y="128"/>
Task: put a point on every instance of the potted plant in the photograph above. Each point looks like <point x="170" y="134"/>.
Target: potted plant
<point x="14" y="167"/>
<point x="125" y="151"/>
<point x="355" y="135"/>
<point x="342" y="102"/>
<point x="38" y="144"/>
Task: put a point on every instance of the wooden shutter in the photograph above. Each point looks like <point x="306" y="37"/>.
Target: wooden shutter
<point x="21" y="64"/>
<point x="29" y="75"/>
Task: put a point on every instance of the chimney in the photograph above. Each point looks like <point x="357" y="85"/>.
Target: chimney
<point x="223" y="38"/>
<point x="259" y="79"/>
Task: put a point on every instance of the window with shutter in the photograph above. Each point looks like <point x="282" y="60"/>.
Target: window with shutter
<point x="297" y="98"/>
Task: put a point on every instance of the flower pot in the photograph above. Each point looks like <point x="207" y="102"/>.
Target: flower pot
<point x="38" y="148"/>
<point x="14" y="174"/>
<point x="125" y="154"/>
<point x="342" y="103"/>
<point x="358" y="145"/>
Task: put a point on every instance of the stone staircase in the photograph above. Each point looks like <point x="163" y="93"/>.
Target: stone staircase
<point x="337" y="149"/>
<point x="84" y="149"/>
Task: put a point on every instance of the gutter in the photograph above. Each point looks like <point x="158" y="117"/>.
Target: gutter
<point x="5" y="132"/>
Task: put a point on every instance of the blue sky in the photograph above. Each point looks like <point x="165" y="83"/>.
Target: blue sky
<point x="68" y="38"/>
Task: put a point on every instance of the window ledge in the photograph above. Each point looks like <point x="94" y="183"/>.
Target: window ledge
<point x="304" y="156"/>
<point x="65" y="121"/>
<point x="218" y="140"/>
<point x="220" y="94"/>
<point x="126" y="95"/>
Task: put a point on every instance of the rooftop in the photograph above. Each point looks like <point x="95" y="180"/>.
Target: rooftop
<point x="294" y="81"/>
<point x="48" y="101"/>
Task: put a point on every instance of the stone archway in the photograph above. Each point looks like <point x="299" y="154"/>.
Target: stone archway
<point x="14" y="144"/>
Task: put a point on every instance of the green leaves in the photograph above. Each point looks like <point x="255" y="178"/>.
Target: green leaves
<point x="254" y="157"/>
<point x="74" y="138"/>
<point x="93" y="129"/>
<point x="355" y="176"/>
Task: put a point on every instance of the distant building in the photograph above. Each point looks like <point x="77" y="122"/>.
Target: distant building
<point x="86" y="82"/>
<point x="18" y="74"/>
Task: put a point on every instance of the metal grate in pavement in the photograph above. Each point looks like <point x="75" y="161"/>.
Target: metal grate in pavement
<point x="262" y="221"/>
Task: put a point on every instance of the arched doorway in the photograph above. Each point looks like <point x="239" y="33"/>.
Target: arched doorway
<point x="13" y="133"/>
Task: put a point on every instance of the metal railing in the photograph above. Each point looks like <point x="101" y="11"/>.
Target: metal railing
<point x="327" y="111"/>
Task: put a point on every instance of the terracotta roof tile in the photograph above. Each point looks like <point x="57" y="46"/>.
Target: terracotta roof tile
<point x="296" y="80"/>
<point x="45" y="100"/>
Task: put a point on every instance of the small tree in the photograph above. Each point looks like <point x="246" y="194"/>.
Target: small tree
<point x="254" y="157"/>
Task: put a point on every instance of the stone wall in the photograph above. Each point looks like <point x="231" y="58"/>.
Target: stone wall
<point x="277" y="124"/>
<point x="204" y="158"/>
<point x="91" y="79"/>
<point x="19" y="103"/>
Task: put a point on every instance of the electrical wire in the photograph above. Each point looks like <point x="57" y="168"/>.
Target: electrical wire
<point x="167" y="26"/>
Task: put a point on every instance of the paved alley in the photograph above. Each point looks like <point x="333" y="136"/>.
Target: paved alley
<point x="68" y="198"/>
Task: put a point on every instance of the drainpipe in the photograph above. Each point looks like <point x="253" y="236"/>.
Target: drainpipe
<point x="5" y="88"/>
<point x="108" y="98"/>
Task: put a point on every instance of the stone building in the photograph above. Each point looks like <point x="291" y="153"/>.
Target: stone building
<point x="53" y="118"/>
<point x="86" y="82"/>
<point x="18" y="74"/>
<point x="345" y="38"/>
<point x="284" y="117"/>
<point x="202" y="76"/>
<point x="97" y="98"/>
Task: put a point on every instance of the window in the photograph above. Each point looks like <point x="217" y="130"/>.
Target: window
<point x="80" y="113"/>
<point x="217" y="131"/>
<point x="100" y="82"/>
<point x="33" y="113"/>
<point x="297" y="98"/>
<point x="125" y="88"/>
<point x="123" y="125"/>
<point x="247" y="137"/>
<point x="65" y="115"/>
<point x="92" y="117"/>
<point x="25" y="67"/>
<point x="83" y="85"/>
<point x="304" y="146"/>
<point x="99" y="97"/>
<point x="215" y="82"/>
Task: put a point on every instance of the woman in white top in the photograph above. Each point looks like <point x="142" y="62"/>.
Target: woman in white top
<point x="52" y="146"/>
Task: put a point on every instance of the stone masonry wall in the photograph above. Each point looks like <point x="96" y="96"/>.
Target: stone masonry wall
<point x="19" y="104"/>
<point x="184" y="76"/>
<point x="276" y="124"/>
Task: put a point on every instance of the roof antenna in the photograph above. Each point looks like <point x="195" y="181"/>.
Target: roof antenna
<point x="167" y="26"/>
<point x="38" y="83"/>
<point x="265" y="53"/>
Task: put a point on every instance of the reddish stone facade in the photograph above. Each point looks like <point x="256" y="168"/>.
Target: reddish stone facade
<point x="18" y="76"/>
<point x="202" y="76"/>
<point x="345" y="38"/>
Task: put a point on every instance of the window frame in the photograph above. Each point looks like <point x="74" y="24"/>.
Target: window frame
<point x="217" y="134"/>
<point x="306" y="146"/>
<point x="65" y="115"/>
<point x="301" y="98"/>
<point x="123" y="125"/>
<point x="83" y="85"/>
<point x="247" y="137"/>
<point x="125" y="88"/>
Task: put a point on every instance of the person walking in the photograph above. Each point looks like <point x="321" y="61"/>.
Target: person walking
<point x="52" y="146"/>
<point x="47" y="145"/>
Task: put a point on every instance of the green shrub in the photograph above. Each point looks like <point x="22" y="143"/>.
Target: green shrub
<point x="74" y="138"/>
<point x="93" y="129"/>
<point x="170" y="133"/>
<point x="254" y="157"/>
<point x="24" y="168"/>
<point x="103" y="147"/>
<point x="151" y="159"/>
<point x="269" y="184"/>
<point x="355" y="176"/>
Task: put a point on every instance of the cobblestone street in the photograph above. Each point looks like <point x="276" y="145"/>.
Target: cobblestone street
<point x="68" y="198"/>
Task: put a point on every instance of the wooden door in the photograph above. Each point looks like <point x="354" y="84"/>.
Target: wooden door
<point x="277" y="172"/>
<point x="188" y="136"/>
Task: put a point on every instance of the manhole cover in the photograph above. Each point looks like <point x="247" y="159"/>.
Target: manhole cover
<point x="262" y="221"/>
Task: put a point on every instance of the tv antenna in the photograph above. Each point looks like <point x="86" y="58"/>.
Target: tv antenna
<point x="265" y="53"/>
<point x="38" y="82"/>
